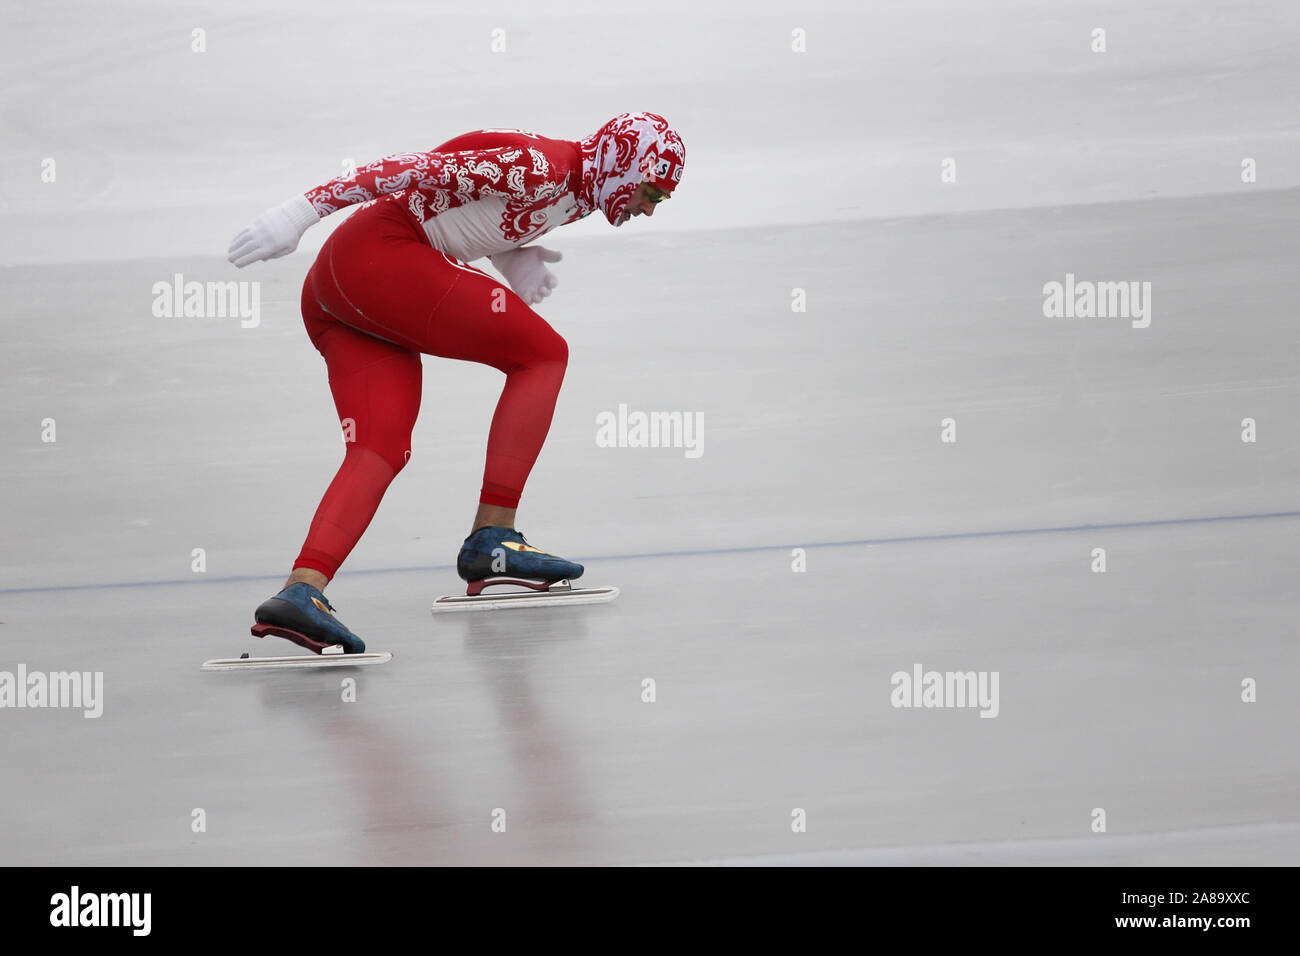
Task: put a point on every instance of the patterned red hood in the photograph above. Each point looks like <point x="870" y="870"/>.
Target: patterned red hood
<point x="630" y="149"/>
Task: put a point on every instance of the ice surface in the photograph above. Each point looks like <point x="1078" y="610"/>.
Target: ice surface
<point x="817" y="171"/>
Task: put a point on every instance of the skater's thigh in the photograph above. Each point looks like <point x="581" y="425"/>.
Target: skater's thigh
<point x="378" y="274"/>
<point x="376" y="385"/>
<point x="481" y="320"/>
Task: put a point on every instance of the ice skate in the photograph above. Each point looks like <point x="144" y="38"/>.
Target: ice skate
<point x="300" y="613"/>
<point x="495" y="557"/>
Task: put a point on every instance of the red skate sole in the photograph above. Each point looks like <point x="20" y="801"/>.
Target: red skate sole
<point x="302" y="640"/>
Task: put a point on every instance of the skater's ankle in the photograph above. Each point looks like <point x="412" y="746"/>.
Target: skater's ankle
<point x="493" y="516"/>
<point x="307" y="576"/>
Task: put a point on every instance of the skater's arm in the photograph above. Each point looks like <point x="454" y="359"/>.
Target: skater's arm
<point x="515" y="173"/>
<point x="278" y="231"/>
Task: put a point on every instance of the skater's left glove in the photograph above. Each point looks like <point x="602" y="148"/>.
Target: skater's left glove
<point x="273" y="234"/>
<point x="525" y="270"/>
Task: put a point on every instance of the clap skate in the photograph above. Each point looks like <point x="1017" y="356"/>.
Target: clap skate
<point x="495" y="557"/>
<point x="300" y="613"/>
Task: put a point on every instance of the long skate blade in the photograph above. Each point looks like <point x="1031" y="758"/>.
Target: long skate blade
<point x="298" y="660"/>
<point x="497" y="602"/>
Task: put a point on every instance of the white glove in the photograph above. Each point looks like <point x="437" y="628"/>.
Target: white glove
<point x="524" y="269"/>
<point x="273" y="234"/>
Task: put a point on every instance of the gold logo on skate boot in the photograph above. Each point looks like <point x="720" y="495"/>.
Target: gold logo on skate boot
<point x="516" y="546"/>
<point x="320" y="606"/>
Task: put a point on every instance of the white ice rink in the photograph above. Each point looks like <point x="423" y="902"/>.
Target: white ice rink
<point x="817" y="171"/>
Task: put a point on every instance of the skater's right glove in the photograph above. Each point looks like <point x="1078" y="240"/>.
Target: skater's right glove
<point x="526" y="271"/>
<point x="273" y="234"/>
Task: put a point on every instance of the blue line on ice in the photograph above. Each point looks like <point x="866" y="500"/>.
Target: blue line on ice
<point x="861" y="542"/>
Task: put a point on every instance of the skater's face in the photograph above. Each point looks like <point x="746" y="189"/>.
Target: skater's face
<point x="643" y="202"/>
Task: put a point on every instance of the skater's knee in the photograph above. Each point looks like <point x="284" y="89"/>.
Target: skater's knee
<point x="542" y="349"/>
<point x="398" y="459"/>
<point x="394" y="450"/>
<point x="397" y="454"/>
<point x="553" y="349"/>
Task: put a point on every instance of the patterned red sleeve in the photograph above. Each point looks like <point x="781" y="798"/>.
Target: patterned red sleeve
<point x="515" y="173"/>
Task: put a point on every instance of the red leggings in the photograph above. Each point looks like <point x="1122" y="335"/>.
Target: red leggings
<point x="376" y="298"/>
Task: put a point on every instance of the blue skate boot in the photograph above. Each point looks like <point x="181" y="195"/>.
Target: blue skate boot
<point x="301" y="614"/>
<point x="501" y="556"/>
